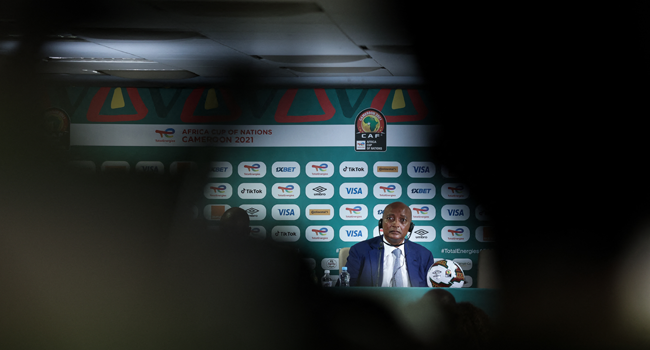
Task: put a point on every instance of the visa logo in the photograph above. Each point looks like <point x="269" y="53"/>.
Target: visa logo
<point x="354" y="233"/>
<point x="286" y="212"/>
<point x="354" y="190"/>
<point x="455" y="212"/>
<point x="150" y="168"/>
<point x="421" y="169"/>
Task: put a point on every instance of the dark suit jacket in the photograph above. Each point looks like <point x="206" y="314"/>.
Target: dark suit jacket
<point x="365" y="259"/>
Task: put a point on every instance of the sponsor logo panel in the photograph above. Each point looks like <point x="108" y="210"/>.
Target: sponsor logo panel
<point x="387" y="169"/>
<point x="424" y="212"/>
<point x="485" y="234"/>
<point x="319" y="169"/>
<point x="421" y="169"/>
<point x="256" y="212"/>
<point x="455" y="212"/>
<point x="448" y="173"/>
<point x="220" y="169"/>
<point x="150" y="167"/>
<point x="353" y="169"/>
<point x="353" y="233"/>
<point x="285" y="212"/>
<point x="285" y="190"/>
<point x="258" y="232"/>
<point x="252" y="169"/>
<point x="319" y="212"/>
<point x="214" y="211"/>
<point x="481" y="213"/>
<point x="455" y="191"/>
<point x="423" y="234"/>
<point x="465" y="264"/>
<point x="353" y="212"/>
<point x="421" y="190"/>
<point x="285" y="169"/>
<point x="468" y="281"/>
<point x="285" y="233"/>
<point x="350" y="190"/>
<point x="115" y="167"/>
<point x="182" y="167"/>
<point x="319" y="233"/>
<point x="217" y="191"/>
<point x="330" y="264"/>
<point x="251" y="191"/>
<point x="378" y="211"/>
<point x="387" y="190"/>
<point x="455" y="234"/>
<point x="319" y="191"/>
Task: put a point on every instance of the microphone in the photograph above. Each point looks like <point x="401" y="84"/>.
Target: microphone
<point x="379" y="256"/>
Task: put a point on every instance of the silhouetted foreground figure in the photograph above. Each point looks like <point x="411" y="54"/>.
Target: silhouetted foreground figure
<point x="438" y="320"/>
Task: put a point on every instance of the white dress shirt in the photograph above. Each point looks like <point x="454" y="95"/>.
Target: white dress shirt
<point x="389" y="262"/>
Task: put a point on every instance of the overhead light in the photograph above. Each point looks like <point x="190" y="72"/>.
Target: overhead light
<point x="157" y="74"/>
<point x="97" y="60"/>
<point x="307" y="59"/>
<point x="333" y="70"/>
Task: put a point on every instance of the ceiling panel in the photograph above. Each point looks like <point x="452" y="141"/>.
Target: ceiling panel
<point x="219" y="39"/>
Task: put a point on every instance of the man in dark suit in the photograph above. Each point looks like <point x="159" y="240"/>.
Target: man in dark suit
<point x="389" y="260"/>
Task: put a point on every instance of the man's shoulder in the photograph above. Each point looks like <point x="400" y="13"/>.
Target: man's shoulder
<point x="367" y="244"/>
<point x="416" y="246"/>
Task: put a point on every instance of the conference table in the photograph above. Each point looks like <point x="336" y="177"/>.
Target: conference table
<point x="486" y="299"/>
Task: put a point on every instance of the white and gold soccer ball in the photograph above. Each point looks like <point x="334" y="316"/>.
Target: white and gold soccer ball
<point x="445" y="274"/>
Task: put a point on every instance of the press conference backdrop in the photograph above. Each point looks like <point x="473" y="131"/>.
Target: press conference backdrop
<point x="290" y="157"/>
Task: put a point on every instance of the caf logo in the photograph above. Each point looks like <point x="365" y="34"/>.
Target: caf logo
<point x="371" y="121"/>
<point x="370" y="131"/>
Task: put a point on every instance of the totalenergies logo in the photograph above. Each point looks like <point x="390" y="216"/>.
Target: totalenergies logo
<point x="356" y="210"/>
<point x="389" y="189"/>
<point x="167" y="133"/>
<point x="457" y="232"/>
<point x="255" y="167"/>
<point x="289" y="188"/>
<point x="423" y="210"/>
<point x="320" y="232"/>
<point x="457" y="189"/>
<point x="218" y="189"/>
<point x="322" y="167"/>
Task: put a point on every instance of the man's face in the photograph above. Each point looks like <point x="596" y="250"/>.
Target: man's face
<point x="397" y="220"/>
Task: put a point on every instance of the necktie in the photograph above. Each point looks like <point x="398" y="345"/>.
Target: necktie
<point x="397" y="274"/>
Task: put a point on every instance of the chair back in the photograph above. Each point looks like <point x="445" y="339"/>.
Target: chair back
<point x="343" y="258"/>
<point x="487" y="274"/>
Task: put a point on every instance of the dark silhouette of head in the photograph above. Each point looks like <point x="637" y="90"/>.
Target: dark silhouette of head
<point x="235" y="221"/>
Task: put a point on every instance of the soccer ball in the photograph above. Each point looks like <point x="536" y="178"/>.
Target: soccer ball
<point x="446" y="274"/>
